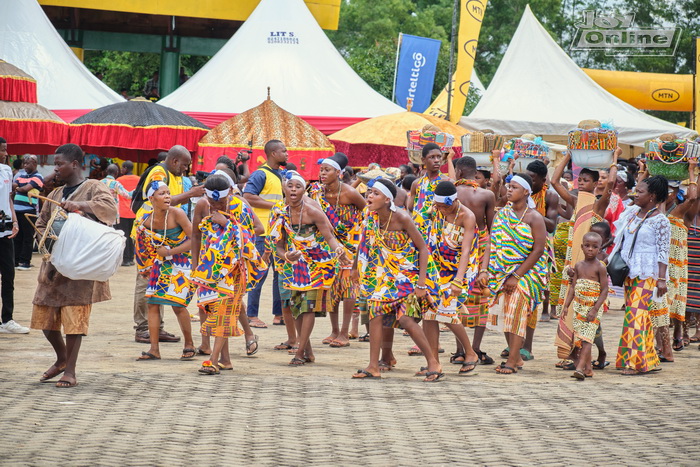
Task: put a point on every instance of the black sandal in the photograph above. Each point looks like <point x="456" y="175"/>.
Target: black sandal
<point x="484" y="359"/>
<point x="364" y="338"/>
<point x="456" y="355"/>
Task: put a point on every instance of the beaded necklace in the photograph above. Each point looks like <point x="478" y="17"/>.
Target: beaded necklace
<point x="640" y="223"/>
<point x="165" y="227"/>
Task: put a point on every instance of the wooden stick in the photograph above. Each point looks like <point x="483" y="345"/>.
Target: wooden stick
<point x="43" y="198"/>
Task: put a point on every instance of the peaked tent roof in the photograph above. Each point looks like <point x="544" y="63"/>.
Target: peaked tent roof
<point x="29" y="41"/>
<point x="305" y="72"/>
<point x="539" y="89"/>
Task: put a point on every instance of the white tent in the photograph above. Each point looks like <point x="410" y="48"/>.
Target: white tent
<point x="29" y="41"/>
<point x="281" y="46"/>
<point x="539" y="89"/>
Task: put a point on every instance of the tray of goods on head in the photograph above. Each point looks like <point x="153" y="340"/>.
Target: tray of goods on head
<point x="524" y="151"/>
<point x="669" y="156"/>
<point x="592" y="148"/>
<point x="479" y="146"/>
<point x="417" y="139"/>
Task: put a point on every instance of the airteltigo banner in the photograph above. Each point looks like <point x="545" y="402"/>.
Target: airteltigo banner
<point x="415" y="71"/>
<point x="471" y="14"/>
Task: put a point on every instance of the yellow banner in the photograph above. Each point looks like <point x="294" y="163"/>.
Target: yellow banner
<point x="696" y="92"/>
<point x="471" y="14"/>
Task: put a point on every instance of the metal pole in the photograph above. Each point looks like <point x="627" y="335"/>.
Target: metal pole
<point x="396" y="69"/>
<point x="452" y="58"/>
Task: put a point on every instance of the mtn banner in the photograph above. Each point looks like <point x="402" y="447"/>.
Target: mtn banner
<point x="415" y="71"/>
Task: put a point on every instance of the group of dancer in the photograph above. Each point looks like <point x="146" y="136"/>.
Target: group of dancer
<point x="471" y="250"/>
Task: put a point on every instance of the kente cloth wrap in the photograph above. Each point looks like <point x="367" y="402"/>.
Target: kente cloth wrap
<point x="222" y="316"/>
<point x="658" y="312"/>
<point x="388" y="264"/>
<point x="344" y="288"/>
<point x="586" y="293"/>
<point x="511" y="243"/>
<point x="423" y="212"/>
<point x="346" y="219"/>
<point x="693" y="304"/>
<point x="540" y="199"/>
<point x="316" y="301"/>
<point x="445" y="245"/>
<point x="476" y="308"/>
<point x="317" y="267"/>
<point x="678" y="269"/>
<point x="561" y="240"/>
<point x="636" y="350"/>
<point x="468" y="182"/>
<point x="225" y="253"/>
<point x="169" y="279"/>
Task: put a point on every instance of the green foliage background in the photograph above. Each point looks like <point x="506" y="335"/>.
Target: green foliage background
<point x="369" y="29"/>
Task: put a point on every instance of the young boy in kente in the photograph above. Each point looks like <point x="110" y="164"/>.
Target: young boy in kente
<point x="588" y="291"/>
<point x="602" y="229"/>
<point x="224" y="263"/>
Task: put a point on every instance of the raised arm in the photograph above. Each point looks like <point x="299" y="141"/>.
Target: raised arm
<point x="556" y="184"/>
<point x="450" y="165"/>
<point x="601" y="203"/>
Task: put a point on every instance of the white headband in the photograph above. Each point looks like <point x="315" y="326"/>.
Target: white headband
<point x="448" y="200"/>
<point x="385" y="191"/>
<point x="622" y="174"/>
<point x="153" y="187"/>
<point x="216" y="195"/>
<point x="228" y="177"/>
<point x="332" y="163"/>
<point x="294" y="175"/>
<point x="523" y="183"/>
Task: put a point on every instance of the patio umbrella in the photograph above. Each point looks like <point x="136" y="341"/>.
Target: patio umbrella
<point x="251" y="129"/>
<point x="16" y="85"/>
<point x="383" y="139"/>
<point x="135" y="129"/>
<point x="31" y="128"/>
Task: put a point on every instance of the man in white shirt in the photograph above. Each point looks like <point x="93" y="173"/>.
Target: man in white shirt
<point x="8" y="229"/>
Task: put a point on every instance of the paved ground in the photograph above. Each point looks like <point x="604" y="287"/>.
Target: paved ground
<point x="265" y="413"/>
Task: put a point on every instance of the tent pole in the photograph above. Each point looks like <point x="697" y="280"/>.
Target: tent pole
<point x="452" y="58"/>
<point x="396" y="69"/>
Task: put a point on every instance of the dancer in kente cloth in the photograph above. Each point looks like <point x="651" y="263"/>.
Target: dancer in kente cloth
<point x="518" y="267"/>
<point x="482" y="203"/>
<point x="307" y="256"/>
<point x="225" y="263"/>
<point x="452" y="240"/>
<point x="343" y="206"/>
<point x="163" y="254"/>
<point x="420" y="200"/>
<point x="588" y="292"/>
<point x="392" y="261"/>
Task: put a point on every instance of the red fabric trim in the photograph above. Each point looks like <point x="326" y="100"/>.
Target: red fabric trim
<point x="116" y="140"/>
<point x="33" y="137"/>
<point x="17" y="90"/>
<point x="326" y="125"/>
<point x="306" y="161"/>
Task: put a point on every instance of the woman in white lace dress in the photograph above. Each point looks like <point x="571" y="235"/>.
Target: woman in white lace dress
<point x="648" y="261"/>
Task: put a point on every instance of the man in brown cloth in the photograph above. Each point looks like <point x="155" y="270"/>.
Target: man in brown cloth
<point x="59" y="300"/>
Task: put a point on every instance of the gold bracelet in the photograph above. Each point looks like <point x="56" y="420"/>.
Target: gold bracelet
<point x="693" y="183"/>
<point x="515" y="274"/>
<point x="485" y="271"/>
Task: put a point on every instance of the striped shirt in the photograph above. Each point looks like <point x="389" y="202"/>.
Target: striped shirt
<point x="22" y="201"/>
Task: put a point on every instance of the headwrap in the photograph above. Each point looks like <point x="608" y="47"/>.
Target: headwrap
<point x="383" y="189"/>
<point x="446" y="200"/>
<point x="330" y="162"/>
<point x="216" y="195"/>
<point x="523" y="183"/>
<point x="227" y="176"/>
<point x="622" y="173"/>
<point x="153" y="187"/>
<point x="290" y="175"/>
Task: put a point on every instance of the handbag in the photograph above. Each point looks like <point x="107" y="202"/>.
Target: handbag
<point x="617" y="268"/>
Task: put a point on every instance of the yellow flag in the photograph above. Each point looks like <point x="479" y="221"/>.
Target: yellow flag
<point x="470" y="18"/>
<point x="696" y="113"/>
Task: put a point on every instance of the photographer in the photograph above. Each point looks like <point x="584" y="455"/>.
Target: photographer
<point x="8" y="230"/>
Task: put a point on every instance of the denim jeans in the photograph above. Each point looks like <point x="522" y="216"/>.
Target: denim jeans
<point x="254" y="295"/>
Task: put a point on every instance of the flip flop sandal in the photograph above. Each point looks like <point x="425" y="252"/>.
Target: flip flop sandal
<point x="208" y="368"/>
<point x="415" y="352"/>
<point x="600" y="366"/>
<point x="202" y="352"/>
<point x="384" y="367"/>
<point x="526" y="355"/>
<point x="677" y="345"/>
<point x="145" y="356"/>
<point x="462" y="371"/>
<point x="338" y="344"/>
<point x="49" y="376"/>
<point x="579" y="375"/>
<point x="186" y="354"/>
<point x="297" y="362"/>
<point x="422" y="372"/>
<point x="504" y="367"/>
<point x="364" y="338"/>
<point x="506" y="352"/>
<point x="438" y="376"/>
<point x="282" y="346"/>
<point x="327" y="340"/>
<point x="366" y="375"/>
<point x="249" y="344"/>
<point x="62" y="383"/>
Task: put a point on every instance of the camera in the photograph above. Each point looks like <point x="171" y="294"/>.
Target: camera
<point x="5" y="222"/>
<point x="201" y="176"/>
<point x="243" y="155"/>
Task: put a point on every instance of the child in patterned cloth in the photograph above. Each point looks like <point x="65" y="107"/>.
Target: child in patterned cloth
<point x="588" y="292"/>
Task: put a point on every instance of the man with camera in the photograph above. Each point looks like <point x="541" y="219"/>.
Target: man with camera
<point x="9" y="227"/>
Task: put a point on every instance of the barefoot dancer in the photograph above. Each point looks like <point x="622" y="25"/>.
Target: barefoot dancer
<point x="392" y="262"/>
<point x="163" y="253"/>
<point x="482" y="203"/>
<point x="343" y="206"/>
<point x="452" y="240"/>
<point x="59" y="300"/>
<point x="224" y="264"/>
<point x="518" y="267"/>
<point x="307" y="259"/>
<point x="588" y="292"/>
